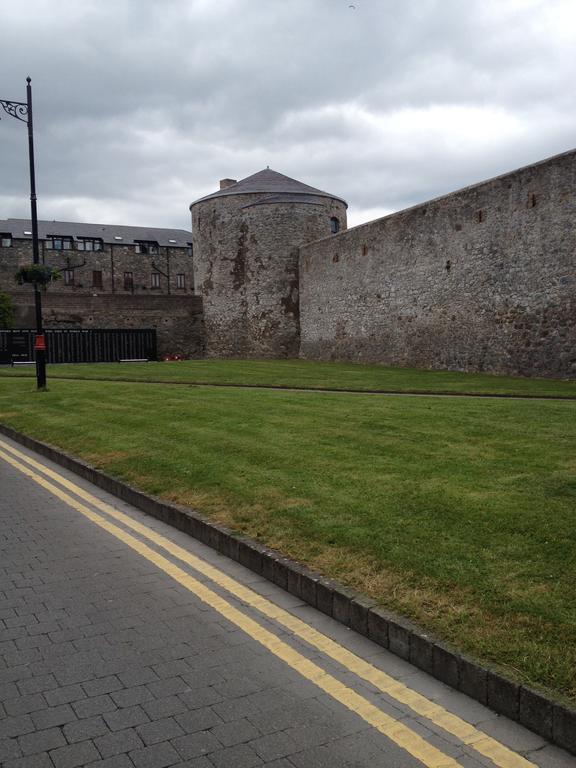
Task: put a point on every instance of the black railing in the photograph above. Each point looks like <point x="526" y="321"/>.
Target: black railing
<point x="93" y="345"/>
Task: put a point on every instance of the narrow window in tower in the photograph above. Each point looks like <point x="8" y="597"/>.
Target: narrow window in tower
<point x="334" y="225"/>
<point x="531" y="199"/>
<point x="481" y="216"/>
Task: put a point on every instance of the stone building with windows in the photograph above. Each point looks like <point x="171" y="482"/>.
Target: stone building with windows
<point x="111" y="277"/>
<point x="103" y="259"/>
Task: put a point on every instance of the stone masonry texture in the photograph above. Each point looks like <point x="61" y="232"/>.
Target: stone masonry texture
<point x="112" y="261"/>
<point x="175" y="312"/>
<point x="246" y="268"/>
<point x="177" y="319"/>
<point x="483" y="279"/>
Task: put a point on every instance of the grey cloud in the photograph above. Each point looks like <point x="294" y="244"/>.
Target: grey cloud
<point x="141" y="106"/>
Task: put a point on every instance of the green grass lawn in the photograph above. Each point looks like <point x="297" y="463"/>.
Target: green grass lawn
<point x="313" y="375"/>
<point x="459" y="513"/>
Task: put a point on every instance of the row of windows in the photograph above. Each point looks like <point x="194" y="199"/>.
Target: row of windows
<point x="97" y="281"/>
<point x="58" y="243"/>
<point x="67" y="244"/>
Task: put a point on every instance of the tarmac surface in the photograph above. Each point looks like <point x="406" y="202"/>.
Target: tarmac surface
<point x="125" y="643"/>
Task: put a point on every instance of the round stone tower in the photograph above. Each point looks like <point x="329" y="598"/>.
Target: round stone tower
<point x="246" y="238"/>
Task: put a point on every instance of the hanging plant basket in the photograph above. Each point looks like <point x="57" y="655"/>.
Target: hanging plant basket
<point x="37" y="274"/>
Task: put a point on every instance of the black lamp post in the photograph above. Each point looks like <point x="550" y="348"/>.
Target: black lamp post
<point x="23" y="111"/>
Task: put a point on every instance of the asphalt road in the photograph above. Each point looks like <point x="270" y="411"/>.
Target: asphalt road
<point x="126" y="643"/>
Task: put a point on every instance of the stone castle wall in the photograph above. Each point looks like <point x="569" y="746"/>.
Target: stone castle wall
<point x="480" y="280"/>
<point x="178" y="320"/>
<point x="246" y="268"/>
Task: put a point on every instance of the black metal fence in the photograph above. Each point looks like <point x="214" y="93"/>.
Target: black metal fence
<point x="93" y="345"/>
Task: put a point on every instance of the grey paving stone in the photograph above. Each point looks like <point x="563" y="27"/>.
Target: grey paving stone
<point x="160" y="708"/>
<point x="15" y="726"/>
<point x="279" y="719"/>
<point x="324" y="757"/>
<point x="196" y="744"/>
<point x="167" y="669"/>
<point x="64" y="695"/>
<point x="41" y="741"/>
<point x="237" y="732"/>
<point x="10" y="749"/>
<point x="119" y="742"/>
<point x="37" y="684"/>
<point x="47" y="718"/>
<point x="82" y="730"/>
<point x="41" y="760"/>
<point x="102" y="685"/>
<point x="200" y="697"/>
<point x="118" y="761"/>
<point x="240" y="756"/>
<point x="129" y="717"/>
<point x="274" y="698"/>
<point x="96" y="706"/>
<point x="74" y="755"/>
<point x="196" y="762"/>
<point x="198" y="720"/>
<point x="169" y="687"/>
<point x="275" y="745"/>
<point x="157" y="756"/>
<point x="199" y="678"/>
<point x="23" y="705"/>
<point x="239" y="686"/>
<point x="235" y="709"/>
<point x="128" y="697"/>
<point x="9" y="691"/>
<point x="138" y="676"/>
<point x="159" y="730"/>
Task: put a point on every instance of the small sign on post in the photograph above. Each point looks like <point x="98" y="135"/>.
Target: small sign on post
<point x="40" y="343"/>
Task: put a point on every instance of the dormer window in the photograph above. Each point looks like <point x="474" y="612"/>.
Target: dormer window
<point x="89" y="244"/>
<point x="5" y="240"/>
<point x="189" y="250"/>
<point x="58" y="243"/>
<point x="146" y="246"/>
<point x="334" y="225"/>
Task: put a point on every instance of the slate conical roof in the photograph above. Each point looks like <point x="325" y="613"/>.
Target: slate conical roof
<point x="271" y="182"/>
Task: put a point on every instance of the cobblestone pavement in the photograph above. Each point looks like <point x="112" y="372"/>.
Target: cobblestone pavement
<point x="124" y="643"/>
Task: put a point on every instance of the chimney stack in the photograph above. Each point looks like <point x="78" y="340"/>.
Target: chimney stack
<point x="227" y="183"/>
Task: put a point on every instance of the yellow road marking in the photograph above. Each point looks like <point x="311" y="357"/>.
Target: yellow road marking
<point x="499" y="754"/>
<point x="410" y="741"/>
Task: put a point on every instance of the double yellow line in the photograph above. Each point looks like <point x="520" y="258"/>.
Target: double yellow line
<point x="399" y="733"/>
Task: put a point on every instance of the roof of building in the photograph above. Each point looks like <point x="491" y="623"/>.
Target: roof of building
<point x="21" y="229"/>
<point x="271" y="182"/>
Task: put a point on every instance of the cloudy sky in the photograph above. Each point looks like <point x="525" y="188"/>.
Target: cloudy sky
<point x="141" y="106"/>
